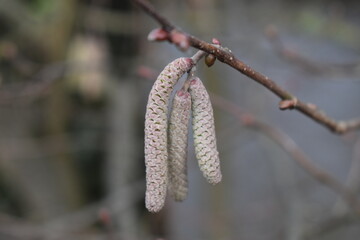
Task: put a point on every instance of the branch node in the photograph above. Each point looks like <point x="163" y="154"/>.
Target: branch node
<point x="288" y="104"/>
<point x="341" y="127"/>
<point x="311" y="106"/>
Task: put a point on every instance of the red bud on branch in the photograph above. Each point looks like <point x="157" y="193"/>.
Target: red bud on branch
<point x="158" y="34"/>
<point x="216" y="41"/>
<point x="180" y="40"/>
<point x="287" y="104"/>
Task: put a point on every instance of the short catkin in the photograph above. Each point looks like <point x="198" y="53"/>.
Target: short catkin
<point x="178" y="142"/>
<point x="204" y="132"/>
<point x="156" y="154"/>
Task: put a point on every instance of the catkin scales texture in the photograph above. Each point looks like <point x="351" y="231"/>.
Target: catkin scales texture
<point x="178" y="139"/>
<point x="204" y="132"/>
<point x="156" y="154"/>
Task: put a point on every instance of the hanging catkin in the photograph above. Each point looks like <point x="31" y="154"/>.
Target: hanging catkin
<point x="156" y="154"/>
<point x="204" y="132"/>
<point x="178" y="139"/>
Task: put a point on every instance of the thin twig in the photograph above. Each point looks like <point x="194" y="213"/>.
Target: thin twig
<point x="287" y="144"/>
<point x="308" y="64"/>
<point x="149" y="9"/>
<point x="63" y="227"/>
<point x="226" y="56"/>
<point x="31" y="89"/>
<point x="191" y="74"/>
<point x="329" y="225"/>
<point x="353" y="179"/>
<point x="198" y="56"/>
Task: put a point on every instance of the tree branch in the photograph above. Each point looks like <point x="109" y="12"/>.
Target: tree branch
<point x="226" y="56"/>
<point x="289" y="146"/>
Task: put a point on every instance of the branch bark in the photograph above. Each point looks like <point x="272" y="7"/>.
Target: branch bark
<point x="226" y="56"/>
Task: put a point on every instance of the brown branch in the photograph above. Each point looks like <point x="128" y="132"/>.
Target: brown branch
<point x="288" y="145"/>
<point x="149" y="9"/>
<point x="225" y="56"/>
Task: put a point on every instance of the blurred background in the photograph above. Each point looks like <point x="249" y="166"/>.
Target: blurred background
<point x="74" y="81"/>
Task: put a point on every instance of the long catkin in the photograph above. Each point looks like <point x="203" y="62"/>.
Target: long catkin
<point x="156" y="154"/>
<point x="204" y="132"/>
<point x="178" y="142"/>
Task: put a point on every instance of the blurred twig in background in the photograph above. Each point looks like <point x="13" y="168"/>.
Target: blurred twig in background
<point x="286" y="143"/>
<point x="291" y="55"/>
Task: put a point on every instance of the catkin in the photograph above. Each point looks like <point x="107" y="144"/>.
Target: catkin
<point x="204" y="132"/>
<point x="156" y="154"/>
<point x="178" y="139"/>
